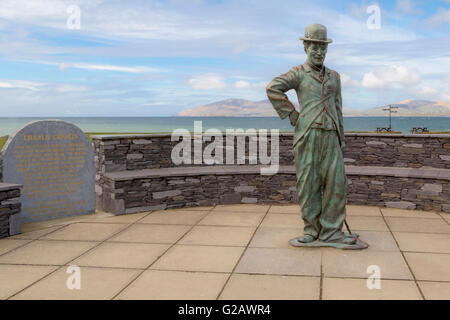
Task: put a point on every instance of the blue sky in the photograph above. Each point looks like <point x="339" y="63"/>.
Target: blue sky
<point x="156" y="58"/>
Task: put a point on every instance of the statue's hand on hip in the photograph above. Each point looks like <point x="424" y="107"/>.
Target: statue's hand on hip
<point x="293" y="117"/>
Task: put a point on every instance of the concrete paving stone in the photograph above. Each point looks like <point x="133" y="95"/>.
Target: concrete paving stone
<point x="377" y="240"/>
<point x="208" y="208"/>
<point x="446" y="217"/>
<point x="175" y="285"/>
<point x="366" y="223"/>
<point x="269" y="237"/>
<point x="148" y="233"/>
<point x="356" y="289"/>
<point x="292" y="261"/>
<point x="355" y="210"/>
<point x="429" y="266"/>
<point x="271" y="287"/>
<point x="14" y="278"/>
<point x="199" y="258"/>
<point x="36" y="234"/>
<point x="256" y="208"/>
<point x="418" y="225"/>
<point x="122" y="255"/>
<point x="423" y="242"/>
<point x="244" y="219"/>
<point x="218" y="236"/>
<point x="125" y="218"/>
<point x="354" y="264"/>
<point x="289" y="209"/>
<point x="96" y="284"/>
<point x="391" y="212"/>
<point x="283" y="221"/>
<point x="174" y="217"/>
<point x="8" y="244"/>
<point x="85" y="232"/>
<point x="435" y="290"/>
<point x="42" y="252"/>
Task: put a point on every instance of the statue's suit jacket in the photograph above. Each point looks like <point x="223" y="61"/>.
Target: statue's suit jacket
<point x="318" y="99"/>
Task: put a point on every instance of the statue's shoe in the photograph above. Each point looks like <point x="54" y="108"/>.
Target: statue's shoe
<point x="306" y="239"/>
<point x="346" y="240"/>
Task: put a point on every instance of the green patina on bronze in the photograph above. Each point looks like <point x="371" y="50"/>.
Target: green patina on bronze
<point x="318" y="143"/>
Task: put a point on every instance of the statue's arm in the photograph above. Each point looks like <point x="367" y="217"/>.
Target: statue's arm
<point x="276" y="93"/>
<point x="338" y="102"/>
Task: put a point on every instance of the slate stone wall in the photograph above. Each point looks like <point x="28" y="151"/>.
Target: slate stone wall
<point x="365" y="188"/>
<point x="9" y="205"/>
<point x="139" y="152"/>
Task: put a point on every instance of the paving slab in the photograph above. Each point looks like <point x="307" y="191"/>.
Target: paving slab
<point x="429" y="266"/>
<point x="186" y="217"/>
<point x="423" y="242"/>
<point x="122" y="255"/>
<point x="271" y="287"/>
<point x="199" y="258"/>
<point x="8" y="244"/>
<point x="354" y="264"/>
<point x="96" y="284"/>
<point x="435" y="290"/>
<point x="40" y="252"/>
<point x="355" y="210"/>
<point x="36" y="234"/>
<point x="279" y="261"/>
<point x="377" y="240"/>
<point x="218" y="236"/>
<point x="357" y="289"/>
<point x="124" y="218"/>
<point x="269" y="237"/>
<point x="175" y="285"/>
<point x="256" y="208"/>
<point x="224" y="218"/>
<point x="148" y="233"/>
<point x="393" y="212"/>
<point x="14" y="278"/>
<point x="418" y="225"/>
<point x="288" y="209"/>
<point x="85" y="232"/>
<point x="283" y="221"/>
<point x="366" y="223"/>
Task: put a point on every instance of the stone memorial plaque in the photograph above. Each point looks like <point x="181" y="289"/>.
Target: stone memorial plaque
<point x="54" y="161"/>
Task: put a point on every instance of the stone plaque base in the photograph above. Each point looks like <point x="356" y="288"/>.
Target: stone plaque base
<point x="318" y="243"/>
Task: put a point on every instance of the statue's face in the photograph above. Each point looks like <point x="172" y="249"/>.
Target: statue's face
<point x="316" y="52"/>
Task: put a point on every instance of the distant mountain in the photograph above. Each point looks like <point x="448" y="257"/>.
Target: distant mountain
<point x="247" y="108"/>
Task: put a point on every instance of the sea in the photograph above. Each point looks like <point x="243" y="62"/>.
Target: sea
<point x="9" y="126"/>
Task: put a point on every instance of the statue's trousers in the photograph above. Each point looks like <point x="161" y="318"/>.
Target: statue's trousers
<point x="321" y="183"/>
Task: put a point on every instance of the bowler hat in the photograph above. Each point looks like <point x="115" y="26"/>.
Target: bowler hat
<point x="316" y="33"/>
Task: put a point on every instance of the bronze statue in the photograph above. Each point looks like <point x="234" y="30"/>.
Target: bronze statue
<point x="318" y="143"/>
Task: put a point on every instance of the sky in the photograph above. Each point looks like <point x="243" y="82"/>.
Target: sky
<point x="156" y="58"/>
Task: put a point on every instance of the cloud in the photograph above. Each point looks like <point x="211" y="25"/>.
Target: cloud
<point x="383" y="78"/>
<point x="407" y="6"/>
<point x="20" y="84"/>
<point x="86" y="66"/>
<point x="207" y="82"/>
<point x="440" y="17"/>
<point x="241" y="84"/>
<point x="346" y="81"/>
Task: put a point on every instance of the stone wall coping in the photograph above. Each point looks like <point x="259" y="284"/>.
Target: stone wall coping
<point x="9" y="186"/>
<point x="168" y="135"/>
<point x="426" y="173"/>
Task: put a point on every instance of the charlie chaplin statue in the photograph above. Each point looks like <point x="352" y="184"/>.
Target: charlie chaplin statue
<point x="318" y="143"/>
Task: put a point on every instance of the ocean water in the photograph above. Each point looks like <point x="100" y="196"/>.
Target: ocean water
<point x="9" y="126"/>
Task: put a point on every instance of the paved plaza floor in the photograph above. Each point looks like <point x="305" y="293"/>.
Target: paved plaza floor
<point x="227" y="252"/>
